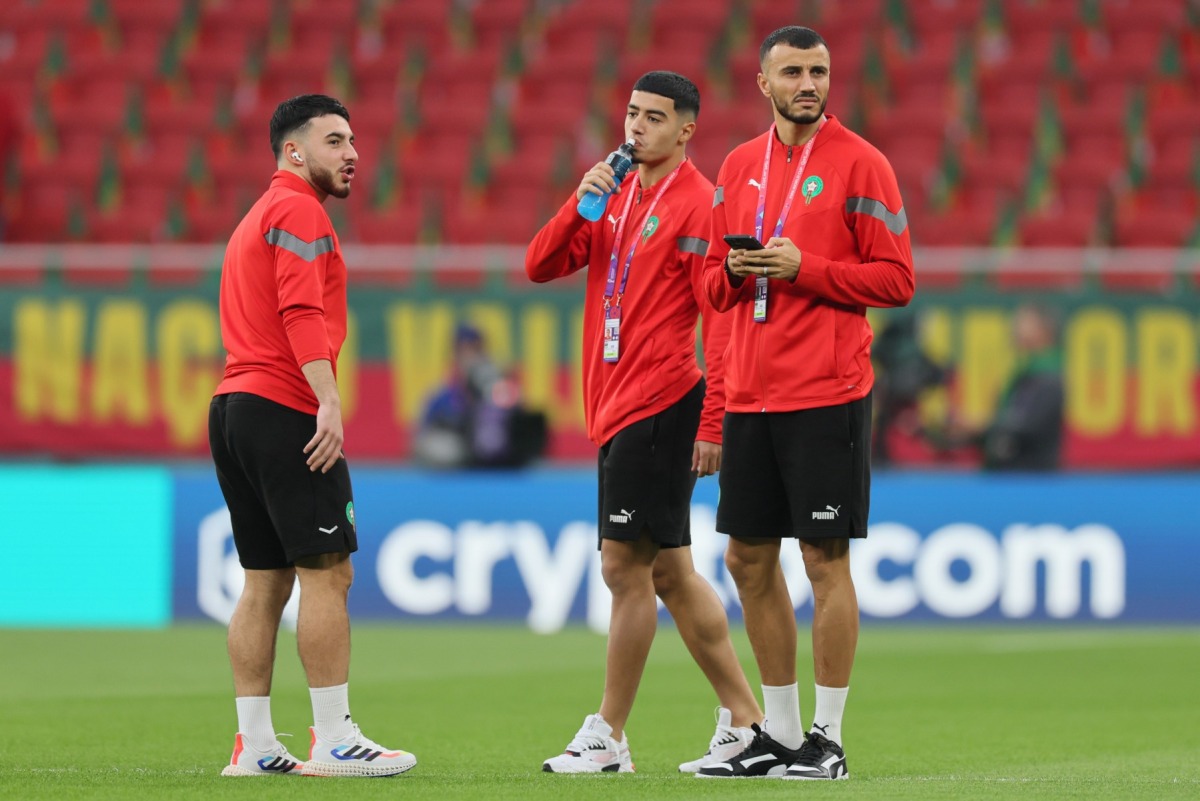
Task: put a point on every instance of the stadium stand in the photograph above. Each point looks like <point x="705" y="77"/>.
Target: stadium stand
<point x="1027" y="122"/>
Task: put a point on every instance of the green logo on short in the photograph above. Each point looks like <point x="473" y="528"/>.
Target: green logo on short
<point x="651" y="227"/>
<point x="350" y="512"/>
<point x="813" y="185"/>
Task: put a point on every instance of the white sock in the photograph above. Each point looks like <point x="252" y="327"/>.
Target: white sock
<point x="331" y="711"/>
<point x="782" y="707"/>
<point x="254" y="721"/>
<point x="827" y="717"/>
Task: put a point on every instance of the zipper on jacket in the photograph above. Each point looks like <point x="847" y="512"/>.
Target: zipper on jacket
<point x="789" y="161"/>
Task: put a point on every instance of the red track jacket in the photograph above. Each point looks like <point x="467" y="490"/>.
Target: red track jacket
<point x="814" y="349"/>
<point x="283" y="295"/>
<point x="657" y="364"/>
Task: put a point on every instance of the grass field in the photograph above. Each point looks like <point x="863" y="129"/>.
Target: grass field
<point x="934" y="713"/>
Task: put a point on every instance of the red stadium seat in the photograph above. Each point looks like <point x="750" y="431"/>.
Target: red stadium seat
<point x="498" y="22"/>
<point x="422" y="25"/>
<point x="1069" y="229"/>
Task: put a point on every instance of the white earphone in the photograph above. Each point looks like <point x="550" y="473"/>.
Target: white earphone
<point x="296" y="157"/>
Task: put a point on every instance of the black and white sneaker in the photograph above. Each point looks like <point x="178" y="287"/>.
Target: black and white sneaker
<point x="762" y="758"/>
<point x="820" y="758"/>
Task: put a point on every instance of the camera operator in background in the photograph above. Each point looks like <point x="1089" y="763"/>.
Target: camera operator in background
<point x="475" y="419"/>
<point x="902" y="372"/>
<point x="1026" y="431"/>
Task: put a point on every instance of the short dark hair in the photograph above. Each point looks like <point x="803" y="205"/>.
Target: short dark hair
<point x="295" y="114"/>
<point x="672" y="85"/>
<point x="795" y="36"/>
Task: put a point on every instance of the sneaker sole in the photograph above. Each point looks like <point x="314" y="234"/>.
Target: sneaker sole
<point x="816" y="778"/>
<point x="234" y="770"/>
<point x="334" y="770"/>
<point x="606" y="769"/>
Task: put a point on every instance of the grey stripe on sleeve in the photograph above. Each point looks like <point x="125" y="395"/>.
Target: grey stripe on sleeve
<point x="718" y="196"/>
<point x="294" y="244"/>
<point x="693" y="244"/>
<point x="896" y="223"/>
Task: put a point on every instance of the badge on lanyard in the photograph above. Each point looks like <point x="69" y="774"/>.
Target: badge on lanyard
<point x="612" y="334"/>
<point x="760" y="283"/>
<point x="760" y="299"/>
<point x="614" y="291"/>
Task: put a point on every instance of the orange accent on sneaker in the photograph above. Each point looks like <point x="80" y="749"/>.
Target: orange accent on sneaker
<point x="237" y="748"/>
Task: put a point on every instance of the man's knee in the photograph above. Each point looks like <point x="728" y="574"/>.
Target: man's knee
<point x="625" y="565"/>
<point x="269" y="588"/>
<point x="333" y="571"/>
<point x="669" y="577"/>
<point x="825" y="560"/>
<point x="750" y="564"/>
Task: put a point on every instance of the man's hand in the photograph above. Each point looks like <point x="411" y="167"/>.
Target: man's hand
<point x="325" y="448"/>
<point x="780" y="258"/>
<point x="597" y="181"/>
<point x="706" y="458"/>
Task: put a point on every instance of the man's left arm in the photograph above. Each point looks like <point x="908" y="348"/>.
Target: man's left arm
<point x="875" y="214"/>
<point x="714" y="335"/>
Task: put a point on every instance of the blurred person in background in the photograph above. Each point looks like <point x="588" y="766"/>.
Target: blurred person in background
<point x="476" y="419"/>
<point x="902" y="372"/>
<point x="649" y="409"/>
<point x="1026" y="431"/>
<point x="275" y="431"/>
<point x="826" y="208"/>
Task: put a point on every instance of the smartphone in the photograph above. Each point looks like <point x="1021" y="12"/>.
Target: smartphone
<point x="742" y="242"/>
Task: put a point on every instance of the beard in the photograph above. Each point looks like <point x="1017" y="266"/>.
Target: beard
<point x="326" y="181"/>
<point x="802" y="117"/>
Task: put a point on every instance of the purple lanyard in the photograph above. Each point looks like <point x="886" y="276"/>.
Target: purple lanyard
<point x="611" y="285"/>
<point x="762" y="186"/>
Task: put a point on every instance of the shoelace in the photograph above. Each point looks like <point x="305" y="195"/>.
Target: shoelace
<point x="586" y="741"/>
<point x="280" y="750"/>
<point x="813" y="749"/>
<point x="365" y="742"/>
<point x="723" y="736"/>
<point x="759" y="743"/>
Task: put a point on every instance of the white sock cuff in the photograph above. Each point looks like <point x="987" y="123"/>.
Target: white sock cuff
<point x="331" y="711"/>
<point x="827" y="714"/>
<point x="254" y="720"/>
<point x="782" y="708"/>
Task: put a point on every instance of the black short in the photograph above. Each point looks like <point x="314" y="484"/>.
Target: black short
<point x="803" y="474"/>
<point x="645" y="475"/>
<point x="281" y="510"/>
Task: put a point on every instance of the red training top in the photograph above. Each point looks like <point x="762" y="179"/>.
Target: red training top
<point x="657" y="364"/>
<point x="848" y="221"/>
<point x="283" y="295"/>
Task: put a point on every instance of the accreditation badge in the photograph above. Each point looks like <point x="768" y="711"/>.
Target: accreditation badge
<point x="612" y="334"/>
<point x="760" y="299"/>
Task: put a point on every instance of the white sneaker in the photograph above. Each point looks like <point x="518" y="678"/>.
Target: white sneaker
<point x="249" y="761"/>
<point x="726" y="743"/>
<point x="592" y="750"/>
<point x="354" y="756"/>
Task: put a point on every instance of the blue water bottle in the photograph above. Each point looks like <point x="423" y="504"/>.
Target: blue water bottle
<point x="591" y="207"/>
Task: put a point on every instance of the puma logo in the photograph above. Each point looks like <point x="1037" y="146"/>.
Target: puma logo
<point x="755" y="184"/>
<point x="613" y="220"/>
<point x="624" y="517"/>
<point x="831" y="514"/>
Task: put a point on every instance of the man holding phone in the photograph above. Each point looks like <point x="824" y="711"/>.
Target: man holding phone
<point x="825" y="206"/>
<point x="656" y="421"/>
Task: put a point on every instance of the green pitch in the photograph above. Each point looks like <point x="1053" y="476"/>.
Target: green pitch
<point x="934" y="713"/>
